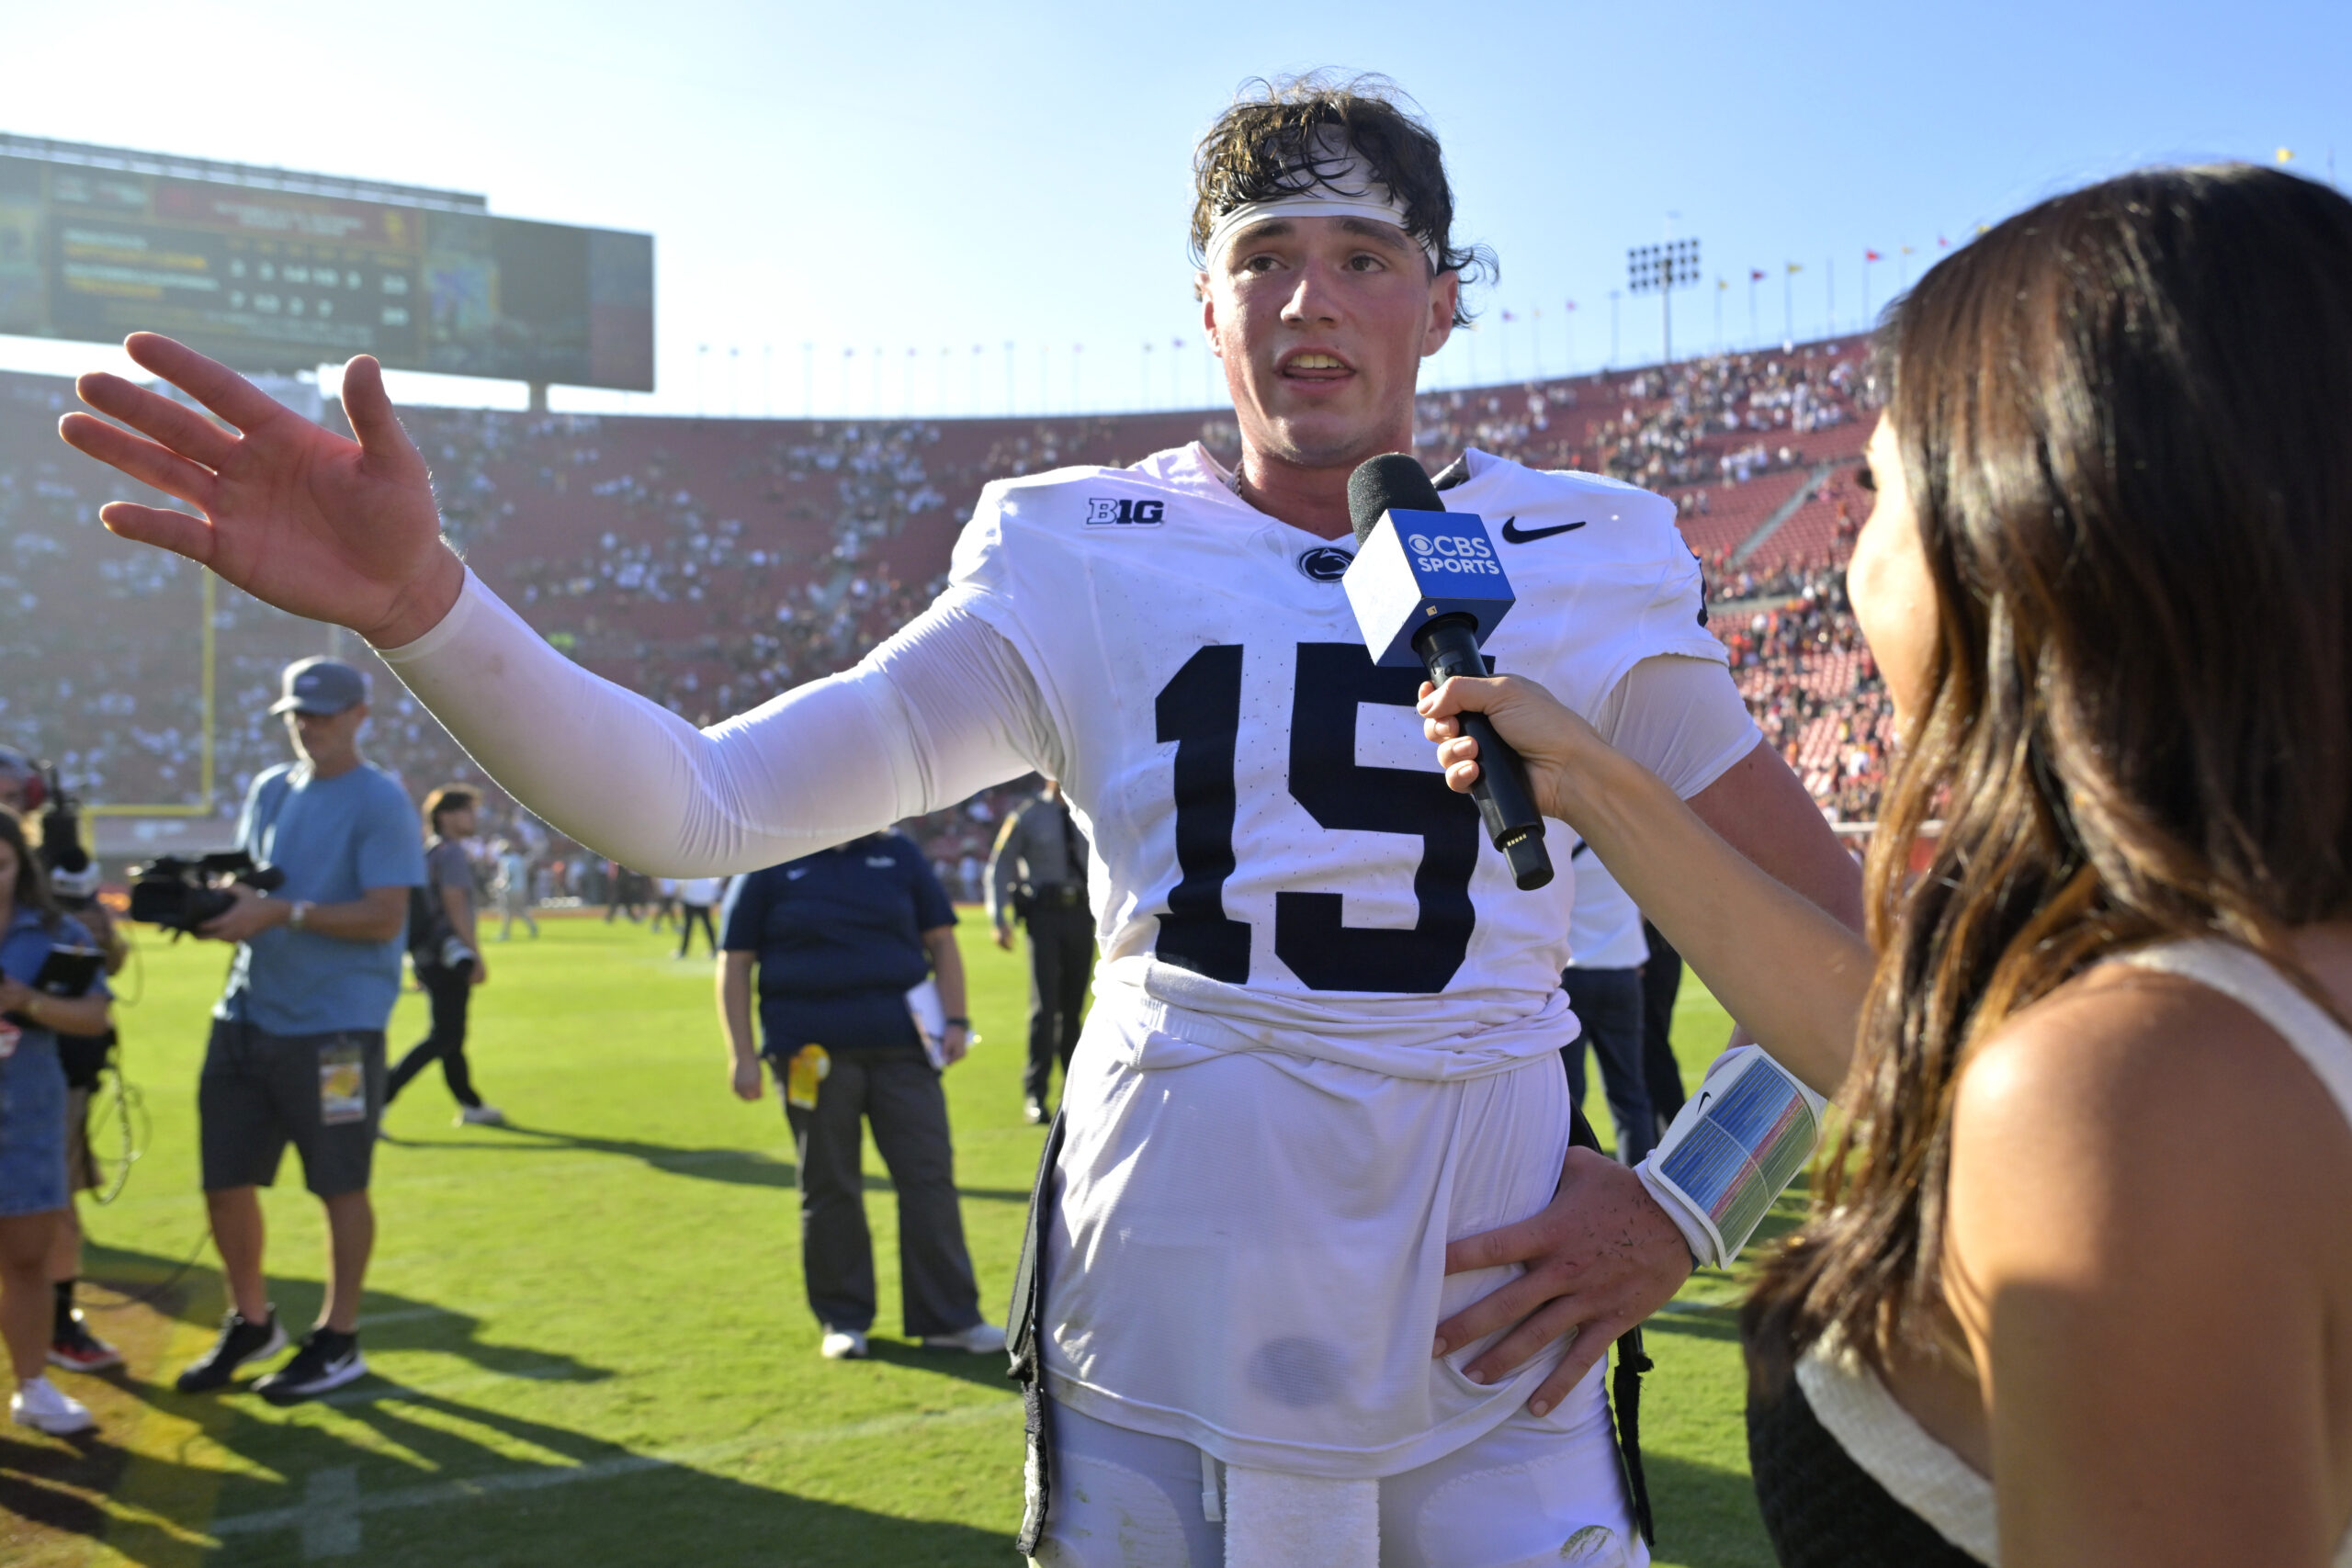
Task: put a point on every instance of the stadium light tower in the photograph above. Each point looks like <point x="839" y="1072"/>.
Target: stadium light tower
<point x="1660" y="270"/>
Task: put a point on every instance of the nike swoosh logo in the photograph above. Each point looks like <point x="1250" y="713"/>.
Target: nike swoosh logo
<point x="1515" y="535"/>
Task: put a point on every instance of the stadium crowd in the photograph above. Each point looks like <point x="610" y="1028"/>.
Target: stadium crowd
<point x="713" y="563"/>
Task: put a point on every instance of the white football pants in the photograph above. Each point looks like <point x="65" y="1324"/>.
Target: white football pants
<point x="1525" y="1494"/>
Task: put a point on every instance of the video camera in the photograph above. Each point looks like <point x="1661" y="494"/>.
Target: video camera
<point x="72" y="875"/>
<point x="180" y="891"/>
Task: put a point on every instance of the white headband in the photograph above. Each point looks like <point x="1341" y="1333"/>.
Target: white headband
<point x="1339" y="183"/>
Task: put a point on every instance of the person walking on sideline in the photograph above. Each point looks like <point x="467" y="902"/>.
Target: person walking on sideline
<point x="445" y="944"/>
<point x="697" y="895"/>
<point x="1038" y="872"/>
<point x="837" y="940"/>
<point x="514" y="889"/>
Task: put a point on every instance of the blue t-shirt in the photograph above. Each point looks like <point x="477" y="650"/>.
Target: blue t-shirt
<point x="24" y="947"/>
<point x="334" y="839"/>
<point x="839" y="939"/>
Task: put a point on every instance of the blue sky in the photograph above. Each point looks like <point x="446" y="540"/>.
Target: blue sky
<point x="876" y="177"/>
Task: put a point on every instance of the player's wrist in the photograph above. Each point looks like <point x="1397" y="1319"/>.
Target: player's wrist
<point x="421" y="605"/>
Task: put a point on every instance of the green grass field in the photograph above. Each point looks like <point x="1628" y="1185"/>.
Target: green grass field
<point x="587" y="1331"/>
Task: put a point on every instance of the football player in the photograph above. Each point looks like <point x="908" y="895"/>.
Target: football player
<point x="1322" y="1280"/>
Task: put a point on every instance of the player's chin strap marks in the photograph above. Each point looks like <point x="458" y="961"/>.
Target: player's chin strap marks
<point x="1735" y="1147"/>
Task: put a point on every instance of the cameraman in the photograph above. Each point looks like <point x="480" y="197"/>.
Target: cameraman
<point x="297" y="1052"/>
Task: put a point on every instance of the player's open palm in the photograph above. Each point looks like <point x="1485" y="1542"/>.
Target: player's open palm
<point x="329" y="529"/>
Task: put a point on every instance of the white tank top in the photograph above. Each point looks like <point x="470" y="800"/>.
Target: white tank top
<point x="1882" y="1437"/>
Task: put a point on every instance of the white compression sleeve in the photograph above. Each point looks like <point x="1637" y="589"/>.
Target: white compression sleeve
<point x="1680" y="717"/>
<point x="942" y="709"/>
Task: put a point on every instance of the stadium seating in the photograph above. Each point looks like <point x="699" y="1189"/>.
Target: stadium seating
<point x="713" y="562"/>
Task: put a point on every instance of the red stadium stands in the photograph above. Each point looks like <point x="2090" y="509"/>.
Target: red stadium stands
<point x="711" y="563"/>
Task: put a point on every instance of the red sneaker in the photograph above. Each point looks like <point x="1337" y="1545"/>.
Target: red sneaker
<point x="79" y="1350"/>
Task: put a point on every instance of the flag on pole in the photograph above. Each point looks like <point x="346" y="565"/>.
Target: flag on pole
<point x="1572" y="304"/>
<point x="2286" y="154"/>
<point x="1755" y="274"/>
<point x="1907" y="251"/>
<point x="1942" y="243"/>
<point x="1509" y="317"/>
<point x="1796" y="266"/>
<point x="1872" y="256"/>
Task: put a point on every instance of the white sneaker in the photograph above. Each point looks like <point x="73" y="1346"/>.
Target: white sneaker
<point x="842" y="1345"/>
<point x="481" y="1116"/>
<point x="980" y="1339"/>
<point x="45" y="1408"/>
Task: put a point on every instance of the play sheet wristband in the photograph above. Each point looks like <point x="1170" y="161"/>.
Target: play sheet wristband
<point x="1735" y="1147"/>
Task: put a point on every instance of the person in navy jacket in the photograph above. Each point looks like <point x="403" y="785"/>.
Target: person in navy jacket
<point x="848" y="946"/>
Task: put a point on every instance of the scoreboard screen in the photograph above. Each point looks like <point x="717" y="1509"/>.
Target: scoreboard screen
<point x="282" y="280"/>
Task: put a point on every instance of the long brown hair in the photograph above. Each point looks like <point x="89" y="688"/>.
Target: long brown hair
<point x="30" y="890"/>
<point x="2125" y="419"/>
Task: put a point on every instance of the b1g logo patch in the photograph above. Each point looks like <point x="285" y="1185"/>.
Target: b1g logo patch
<point x="1125" y="514"/>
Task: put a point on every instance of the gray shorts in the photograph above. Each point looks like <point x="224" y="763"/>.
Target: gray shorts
<point x="259" y="1091"/>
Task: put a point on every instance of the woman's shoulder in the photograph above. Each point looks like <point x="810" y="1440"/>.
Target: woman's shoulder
<point x="2134" y="1113"/>
<point x="2141" y="1050"/>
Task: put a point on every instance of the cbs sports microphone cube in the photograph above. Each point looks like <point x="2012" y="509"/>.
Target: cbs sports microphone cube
<point x="1418" y="567"/>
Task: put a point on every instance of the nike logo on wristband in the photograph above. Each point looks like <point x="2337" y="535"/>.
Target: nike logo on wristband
<point x="1515" y="535"/>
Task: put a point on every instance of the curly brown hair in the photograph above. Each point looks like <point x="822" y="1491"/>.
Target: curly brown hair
<point x="1265" y="146"/>
<point x="448" y="797"/>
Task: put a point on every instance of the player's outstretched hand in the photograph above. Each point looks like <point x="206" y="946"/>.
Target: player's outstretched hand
<point x="325" y="528"/>
<point x="1601" y="1258"/>
<point x="1558" y="748"/>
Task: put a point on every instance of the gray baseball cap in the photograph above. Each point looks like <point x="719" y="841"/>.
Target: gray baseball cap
<point x="320" y="685"/>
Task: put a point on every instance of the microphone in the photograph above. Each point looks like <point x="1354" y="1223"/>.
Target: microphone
<point x="1428" y="590"/>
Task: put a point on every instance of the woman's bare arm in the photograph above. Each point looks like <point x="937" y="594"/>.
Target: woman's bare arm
<point x="1783" y="967"/>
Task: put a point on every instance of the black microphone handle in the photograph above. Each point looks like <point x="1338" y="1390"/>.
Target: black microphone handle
<point x="1449" y="647"/>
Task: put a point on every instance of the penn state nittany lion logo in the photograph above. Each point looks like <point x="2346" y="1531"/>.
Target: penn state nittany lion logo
<point x="1325" y="564"/>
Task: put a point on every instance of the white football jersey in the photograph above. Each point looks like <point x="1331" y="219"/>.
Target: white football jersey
<point x="1276" y="846"/>
<point x="1324" y="1022"/>
<point x="1605" y="932"/>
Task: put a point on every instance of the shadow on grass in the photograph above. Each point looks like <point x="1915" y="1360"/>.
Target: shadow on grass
<point x="738" y="1167"/>
<point x="388" y="1321"/>
<point x="396" y="1475"/>
<point x="986" y="1372"/>
<point x="436" y="1480"/>
<point x="1706" y="1516"/>
<point x="1696" y="1323"/>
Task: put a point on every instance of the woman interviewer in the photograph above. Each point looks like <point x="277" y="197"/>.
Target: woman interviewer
<point x="33" y="1195"/>
<point x="2078" y="1287"/>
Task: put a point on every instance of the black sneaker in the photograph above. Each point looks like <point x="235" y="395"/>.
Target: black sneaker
<point x="240" y="1341"/>
<point x="327" y="1360"/>
<point x="75" y="1348"/>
